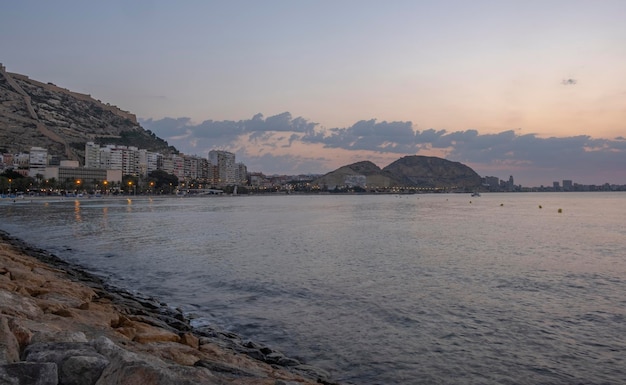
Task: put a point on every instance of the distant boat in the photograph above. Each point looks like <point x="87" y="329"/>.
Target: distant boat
<point x="475" y="194"/>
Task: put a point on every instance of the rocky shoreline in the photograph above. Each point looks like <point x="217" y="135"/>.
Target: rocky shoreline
<point x="59" y="324"/>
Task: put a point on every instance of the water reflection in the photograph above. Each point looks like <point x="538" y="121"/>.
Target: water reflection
<point x="105" y="217"/>
<point x="77" y="215"/>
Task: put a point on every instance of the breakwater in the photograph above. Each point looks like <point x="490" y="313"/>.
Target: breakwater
<point x="62" y="325"/>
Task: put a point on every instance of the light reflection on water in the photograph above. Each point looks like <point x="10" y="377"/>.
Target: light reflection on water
<point x="377" y="289"/>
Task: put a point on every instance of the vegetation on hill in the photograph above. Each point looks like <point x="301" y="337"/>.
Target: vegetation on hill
<point x="420" y="172"/>
<point x="36" y="114"/>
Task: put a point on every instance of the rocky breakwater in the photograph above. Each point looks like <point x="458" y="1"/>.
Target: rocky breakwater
<point x="62" y="325"/>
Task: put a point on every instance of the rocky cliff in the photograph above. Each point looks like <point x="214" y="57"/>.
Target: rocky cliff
<point x="409" y="171"/>
<point x="39" y="114"/>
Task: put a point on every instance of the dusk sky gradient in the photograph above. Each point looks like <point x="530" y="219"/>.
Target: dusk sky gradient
<point x="533" y="89"/>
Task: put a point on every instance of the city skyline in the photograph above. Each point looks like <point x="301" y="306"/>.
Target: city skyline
<point x="133" y="162"/>
<point x="509" y="88"/>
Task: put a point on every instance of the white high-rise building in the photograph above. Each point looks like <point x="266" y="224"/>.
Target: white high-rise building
<point x="92" y="155"/>
<point x="37" y="161"/>
<point x="242" y="174"/>
<point x="130" y="160"/>
<point x="226" y="167"/>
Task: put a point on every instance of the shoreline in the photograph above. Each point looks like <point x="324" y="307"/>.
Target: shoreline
<point x="56" y="317"/>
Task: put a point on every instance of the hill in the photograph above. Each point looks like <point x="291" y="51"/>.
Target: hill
<point x="409" y="171"/>
<point x="39" y="114"/>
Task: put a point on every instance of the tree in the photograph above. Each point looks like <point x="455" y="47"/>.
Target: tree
<point x="12" y="174"/>
<point x="162" y="180"/>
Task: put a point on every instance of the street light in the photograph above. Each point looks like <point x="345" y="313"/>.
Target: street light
<point x="130" y="183"/>
<point x="10" y="182"/>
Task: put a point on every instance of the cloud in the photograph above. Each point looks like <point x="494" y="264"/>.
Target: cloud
<point x="569" y="82"/>
<point x="281" y="143"/>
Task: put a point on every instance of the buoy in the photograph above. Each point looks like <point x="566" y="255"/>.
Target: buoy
<point x="540" y="207"/>
<point x="560" y="211"/>
<point x="501" y="204"/>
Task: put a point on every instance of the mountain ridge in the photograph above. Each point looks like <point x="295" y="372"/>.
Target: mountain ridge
<point x="37" y="114"/>
<point x="413" y="171"/>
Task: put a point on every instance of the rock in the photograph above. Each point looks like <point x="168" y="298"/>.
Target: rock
<point x="77" y="362"/>
<point x="7" y="284"/>
<point x="43" y="336"/>
<point x="226" y="369"/>
<point x="23" y="335"/>
<point x="280" y="359"/>
<point x="314" y="372"/>
<point x="18" y="305"/>
<point x="29" y="373"/>
<point x="190" y="340"/>
<point x="128" y="368"/>
<point x="145" y="333"/>
<point x="175" y="352"/>
<point x="82" y="370"/>
<point x="9" y="347"/>
<point x="71" y="294"/>
<point x="48" y="323"/>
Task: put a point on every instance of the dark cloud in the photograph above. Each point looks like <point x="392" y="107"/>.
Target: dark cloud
<point x="569" y="82"/>
<point x="570" y="157"/>
<point x="369" y="135"/>
<point x="228" y="128"/>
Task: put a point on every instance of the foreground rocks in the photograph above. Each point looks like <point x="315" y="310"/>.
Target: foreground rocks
<point x="61" y="325"/>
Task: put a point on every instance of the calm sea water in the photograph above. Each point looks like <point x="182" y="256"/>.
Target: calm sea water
<point x="441" y="288"/>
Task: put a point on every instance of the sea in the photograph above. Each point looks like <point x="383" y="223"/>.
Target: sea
<point x="505" y="288"/>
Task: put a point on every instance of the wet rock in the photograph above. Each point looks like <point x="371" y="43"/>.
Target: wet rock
<point x="226" y="369"/>
<point x="280" y="359"/>
<point x="314" y="372"/>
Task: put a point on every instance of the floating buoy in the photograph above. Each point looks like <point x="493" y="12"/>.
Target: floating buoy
<point x="470" y="202"/>
<point x="560" y="211"/>
<point x="540" y="207"/>
<point x="501" y="204"/>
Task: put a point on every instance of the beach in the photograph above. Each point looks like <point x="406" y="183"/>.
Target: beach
<point x="60" y="324"/>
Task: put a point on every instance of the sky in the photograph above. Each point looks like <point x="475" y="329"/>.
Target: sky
<point x="535" y="89"/>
